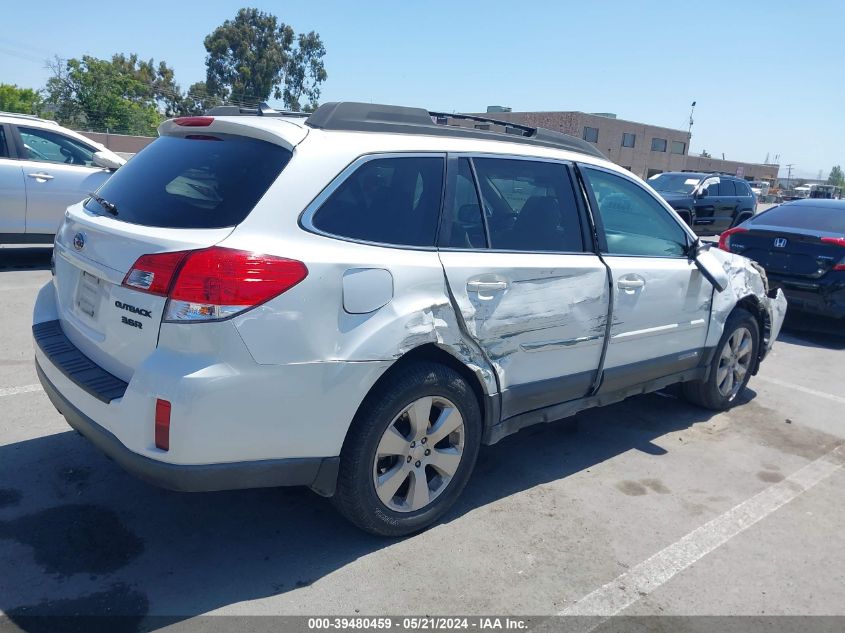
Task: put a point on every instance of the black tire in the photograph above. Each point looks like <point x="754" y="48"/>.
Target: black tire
<point x="705" y="393"/>
<point x="356" y="496"/>
<point x="740" y="219"/>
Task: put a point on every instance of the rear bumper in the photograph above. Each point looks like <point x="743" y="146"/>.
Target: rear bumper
<point x="319" y="473"/>
<point x="821" y="299"/>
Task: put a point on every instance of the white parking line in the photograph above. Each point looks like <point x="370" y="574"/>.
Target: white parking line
<point x="647" y="576"/>
<point x="13" y="391"/>
<point x="807" y="390"/>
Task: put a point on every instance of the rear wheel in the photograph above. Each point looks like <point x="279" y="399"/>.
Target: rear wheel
<point x="731" y="366"/>
<point x="410" y="451"/>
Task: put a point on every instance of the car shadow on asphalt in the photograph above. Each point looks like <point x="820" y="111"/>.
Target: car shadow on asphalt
<point x="25" y="257"/>
<point x="80" y="536"/>
<point x="813" y="331"/>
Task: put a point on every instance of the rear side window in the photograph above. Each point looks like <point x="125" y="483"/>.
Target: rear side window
<point x="193" y="183"/>
<point x="4" y="153"/>
<point x="529" y="205"/>
<point x="387" y="200"/>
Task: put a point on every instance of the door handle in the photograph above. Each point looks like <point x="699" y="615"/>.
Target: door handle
<point x="630" y="283"/>
<point x="486" y="286"/>
<point x="41" y="176"/>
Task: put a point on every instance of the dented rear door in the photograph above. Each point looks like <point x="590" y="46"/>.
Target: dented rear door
<point x="539" y="315"/>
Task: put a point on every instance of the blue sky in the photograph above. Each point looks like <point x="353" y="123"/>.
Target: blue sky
<point x="767" y="76"/>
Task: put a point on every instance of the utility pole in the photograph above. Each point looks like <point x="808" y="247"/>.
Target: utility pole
<point x="689" y="129"/>
<point x="789" y="174"/>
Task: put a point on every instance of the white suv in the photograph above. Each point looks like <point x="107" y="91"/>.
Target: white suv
<point x="43" y="169"/>
<point x="358" y="300"/>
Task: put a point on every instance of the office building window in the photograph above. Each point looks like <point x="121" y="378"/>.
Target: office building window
<point x="678" y="147"/>
<point x="629" y="140"/>
<point x="658" y="145"/>
<point x="591" y="134"/>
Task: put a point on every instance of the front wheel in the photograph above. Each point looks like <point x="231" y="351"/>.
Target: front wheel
<point x="410" y="451"/>
<point x="731" y="366"/>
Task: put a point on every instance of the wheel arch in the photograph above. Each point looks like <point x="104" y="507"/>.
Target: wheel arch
<point x="433" y="353"/>
<point x="753" y="305"/>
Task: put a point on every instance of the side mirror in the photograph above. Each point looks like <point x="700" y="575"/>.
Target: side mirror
<point x="709" y="264"/>
<point x="702" y="193"/>
<point x="101" y="159"/>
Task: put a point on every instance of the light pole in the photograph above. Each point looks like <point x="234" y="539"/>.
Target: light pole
<point x="789" y="174"/>
<point x="689" y="129"/>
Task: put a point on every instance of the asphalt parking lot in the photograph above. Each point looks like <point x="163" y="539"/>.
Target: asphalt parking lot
<point x="650" y="506"/>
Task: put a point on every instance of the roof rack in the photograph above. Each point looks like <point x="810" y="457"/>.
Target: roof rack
<point x="262" y="109"/>
<point x="28" y="117"/>
<point x="370" y="117"/>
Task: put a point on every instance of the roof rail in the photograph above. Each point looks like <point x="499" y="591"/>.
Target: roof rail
<point x="29" y="117"/>
<point x="262" y="109"/>
<point x="371" y="117"/>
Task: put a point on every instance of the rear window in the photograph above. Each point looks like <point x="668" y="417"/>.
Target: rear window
<point x="193" y="183"/>
<point x="801" y="216"/>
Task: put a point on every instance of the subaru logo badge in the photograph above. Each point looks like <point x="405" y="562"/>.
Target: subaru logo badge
<point x="780" y="242"/>
<point x="79" y="241"/>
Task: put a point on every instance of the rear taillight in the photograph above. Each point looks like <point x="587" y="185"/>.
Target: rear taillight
<point x="213" y="283"/>
<point x="725" y="238"/>
<point x="836" y="241"/>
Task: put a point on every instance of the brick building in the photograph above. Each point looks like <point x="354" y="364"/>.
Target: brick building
<point x="639" y="147"/>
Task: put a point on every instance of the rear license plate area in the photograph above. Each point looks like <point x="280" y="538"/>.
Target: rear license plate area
<point x="88" y="295"/>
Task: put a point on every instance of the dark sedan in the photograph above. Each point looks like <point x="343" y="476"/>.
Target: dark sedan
<point x="801" y="245"/>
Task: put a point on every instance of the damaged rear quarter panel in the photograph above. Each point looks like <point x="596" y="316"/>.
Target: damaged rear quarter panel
<point x="308" y="323"/>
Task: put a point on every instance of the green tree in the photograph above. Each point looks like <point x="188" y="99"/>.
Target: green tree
<point x="198" y="100"/>
<point x="836" y="177"/>
<point x="23" y="100"/>
<point x="253" y="56"/>
<point x="124" y="94"/>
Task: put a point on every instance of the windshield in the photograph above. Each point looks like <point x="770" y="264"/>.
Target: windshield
<point x="674" y="183"/>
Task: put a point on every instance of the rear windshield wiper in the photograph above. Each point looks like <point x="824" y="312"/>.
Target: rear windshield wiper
<point x="111" y="207"/>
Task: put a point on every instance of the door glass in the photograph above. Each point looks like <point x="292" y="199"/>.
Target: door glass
<point x="4" y="153"/>
<point x="726" y="188"/>
<point x="463" y="226"/>
<point x="529" y="205"/>
<point x="45" y="145"/>
<point x="712" y="187"/>
<point x="634" y="222"/>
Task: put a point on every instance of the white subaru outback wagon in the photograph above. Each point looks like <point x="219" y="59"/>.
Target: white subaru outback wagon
<point x="356" y="301"/>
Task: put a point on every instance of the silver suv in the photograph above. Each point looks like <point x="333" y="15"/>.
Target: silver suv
<point x="43" y="169"/>
<point x="356" y="301"/>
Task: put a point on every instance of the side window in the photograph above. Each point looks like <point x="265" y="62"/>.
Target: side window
<point x="463" y="226"/>
<point x="634" y="222"/>
<point x="727" y="188"/>
<point x="387" y="200"/>
<point x="4" y="152"/>
<point x="49" y="146"/>
<point x="529" y="205"/>
<point x="712" y="187"/>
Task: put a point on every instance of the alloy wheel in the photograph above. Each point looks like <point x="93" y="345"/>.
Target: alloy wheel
<point x="734" y="362"/>
<point x="419" y="454"/>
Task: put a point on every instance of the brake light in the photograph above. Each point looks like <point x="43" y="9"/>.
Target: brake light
<point x="836" y="241"/>
<point x="725" y="238"/>
<point x="194" y="121"/>
<point x="213" y="283"/>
